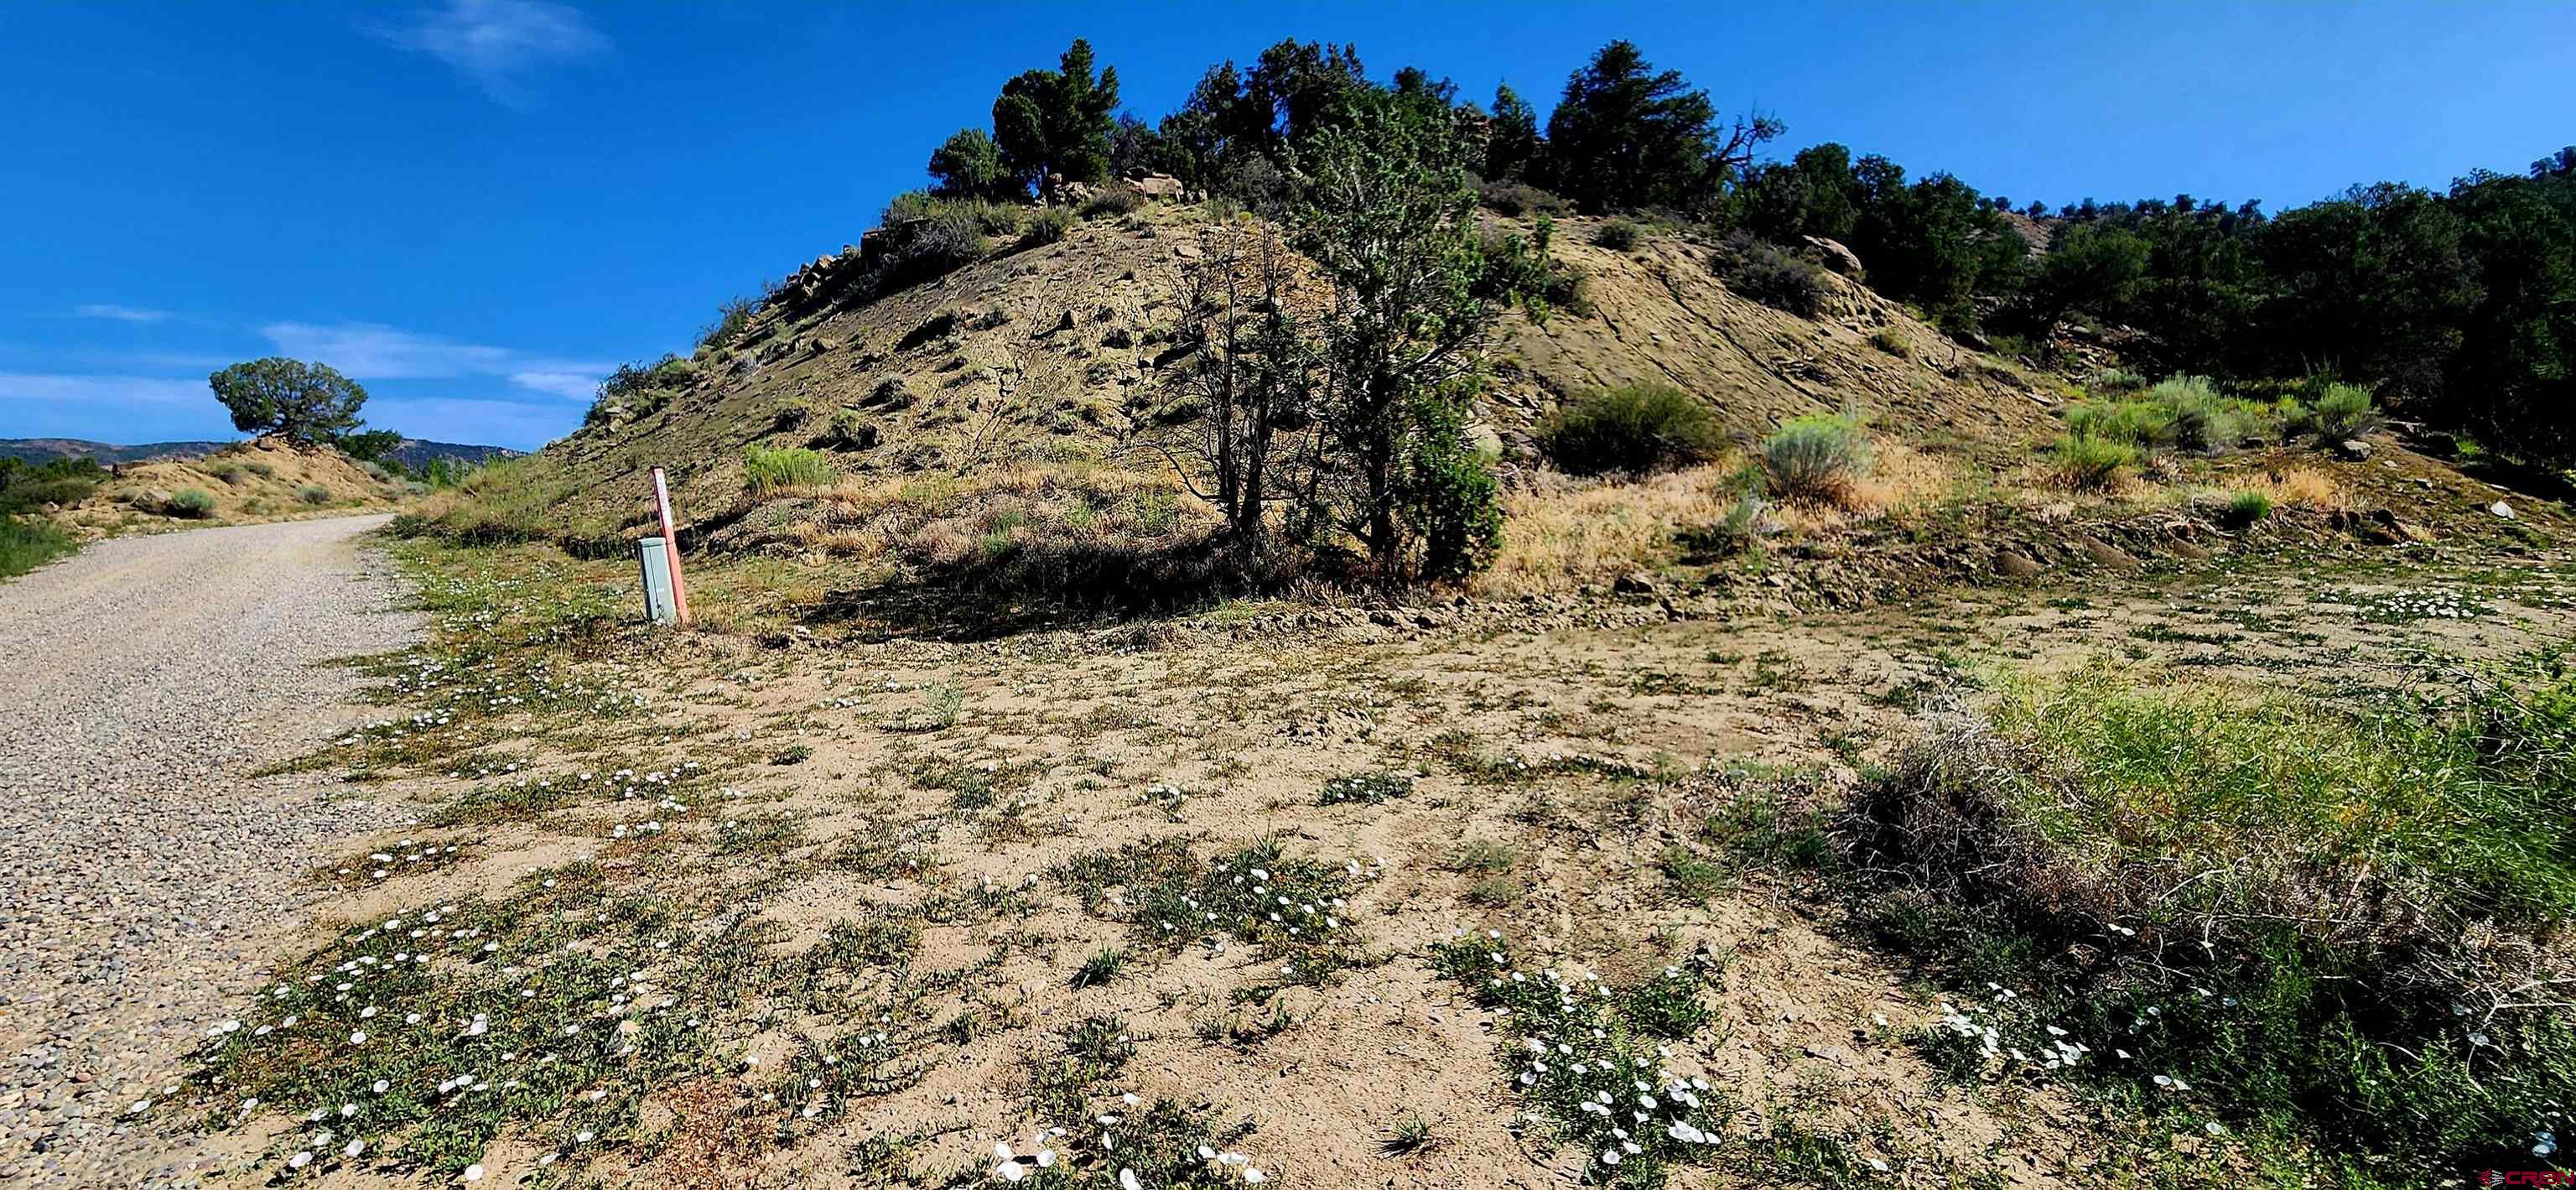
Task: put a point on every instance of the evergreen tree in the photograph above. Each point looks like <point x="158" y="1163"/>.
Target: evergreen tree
<point x="1512" y="147"/>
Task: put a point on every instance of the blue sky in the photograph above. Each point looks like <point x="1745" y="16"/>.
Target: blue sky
<point x="476" y="207"/>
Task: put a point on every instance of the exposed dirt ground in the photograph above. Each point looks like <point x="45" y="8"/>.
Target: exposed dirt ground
<point x="946" y="837"/>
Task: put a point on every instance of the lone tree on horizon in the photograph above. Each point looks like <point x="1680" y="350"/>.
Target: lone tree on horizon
<point x="304" y="403"/>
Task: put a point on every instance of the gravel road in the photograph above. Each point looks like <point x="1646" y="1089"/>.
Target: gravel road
<point x="144" y="876"/>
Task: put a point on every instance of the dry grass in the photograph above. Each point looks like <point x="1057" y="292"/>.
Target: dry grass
<point x="1084" y="532"/>
<point x="1570" y="532"/>
<point x="1898" y="478"/>
<point x="2297" y="487"/>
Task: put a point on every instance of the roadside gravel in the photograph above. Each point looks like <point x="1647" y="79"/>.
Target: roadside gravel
<point x="145" y="878"/>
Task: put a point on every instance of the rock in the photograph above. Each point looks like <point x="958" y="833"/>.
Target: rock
<point x="1158" y="186"/>
<point x="2353" y="450"/>
<point x="2185" y="549"/>
<point x="2108" y="555"/>
<point x="2013" y="565"/>
<point x="51" y="508"/>
<point x="2388" y="524"/>
<point x="1836" y="258"/>
<point x="1636" y="582"/>
<point x="1186" y="251"/>
<point x="2502" y="509"/>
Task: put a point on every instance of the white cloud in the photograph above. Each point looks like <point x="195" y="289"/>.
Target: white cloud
<point x="101" y="389"/>
<point x="479" y="423"/>
<point x="577" y="385"/>
<point x="110" y="310"/>
<point x="496" y="43"/>
<point x="374" y="351"/>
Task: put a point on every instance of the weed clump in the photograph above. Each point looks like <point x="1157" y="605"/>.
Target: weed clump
<point x="1368" y="789"/>
<point x="2247" y="508"/>
<point x="1586" y="1056"/>
<point x="2090" y="463"/>
<point x="767" y="471"/>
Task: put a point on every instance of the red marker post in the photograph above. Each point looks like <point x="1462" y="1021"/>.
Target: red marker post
<point x="671" y="545"/>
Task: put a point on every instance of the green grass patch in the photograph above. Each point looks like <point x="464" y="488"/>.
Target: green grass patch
<point x="2257" y="912"/>
<point x="26" y="544"/>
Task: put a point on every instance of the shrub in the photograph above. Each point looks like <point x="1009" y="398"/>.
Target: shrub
<point x="2341" y="411"/>
<point x="2126" y="423"/>
<point x="931" y="237"/>
<point x="190" y="502"/>
<point x="2246" y="508"/>
<point x="30" y="495"/>
<point x="313" y="493"/>
<point x="848" y="429"/>
<point x="2195" y="416"/>
<point x="2117" y="380"/>
<point x="376" y="472"/>
<point x="1117" y="200"/>
<point x="1886" y="339"/>
<point x="1816" y="459"/>
<point x="1747" y="522"/>
<point x="1618" y="235"/>
<point x="638" y="390"/>
<point x="731" y="317"/>
<point x="224" y="469"/>
<point x="1634" y="427"/>
<point x="1046" y="227"/>
<point x="2282" y="912"/>
<point x="260" y="469"/>
<point x="765" y="471"/>
<point x="25" y="486"/>
<point x="1521" y="198"/>
<point x="1771" y="275"/>
<point x="1569" y="289"/>
<point x="2089" y="462"/>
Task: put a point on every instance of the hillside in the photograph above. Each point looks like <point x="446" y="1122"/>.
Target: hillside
<point x="263" y="479"/>
<point x="1067" y="352"/>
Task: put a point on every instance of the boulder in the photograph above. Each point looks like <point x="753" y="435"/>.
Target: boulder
<point x="1158" y="186"/>
<point x="2013" y="565"/>
<point x="2108" y="555"/>
<point x="1835" y="257"/>
<point x="1636" y="582"/>
<point x="2502" y="509"/>
<point x="2353" y="450"/>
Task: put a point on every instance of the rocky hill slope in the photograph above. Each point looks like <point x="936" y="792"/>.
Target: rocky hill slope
<point x="263" y="479"/>
<point x="1063" y="352"/>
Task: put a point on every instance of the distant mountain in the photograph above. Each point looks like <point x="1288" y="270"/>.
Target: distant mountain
<point x="414" y="453"/>
<point x="37" y="450"/>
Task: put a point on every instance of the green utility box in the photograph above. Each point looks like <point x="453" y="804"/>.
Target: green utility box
<point x="659" y="606"/>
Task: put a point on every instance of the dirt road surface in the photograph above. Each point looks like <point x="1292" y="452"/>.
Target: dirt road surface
<point x="143" y="871"/>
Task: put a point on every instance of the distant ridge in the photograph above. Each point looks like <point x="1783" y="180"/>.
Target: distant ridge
<point x="413" y="452"/>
